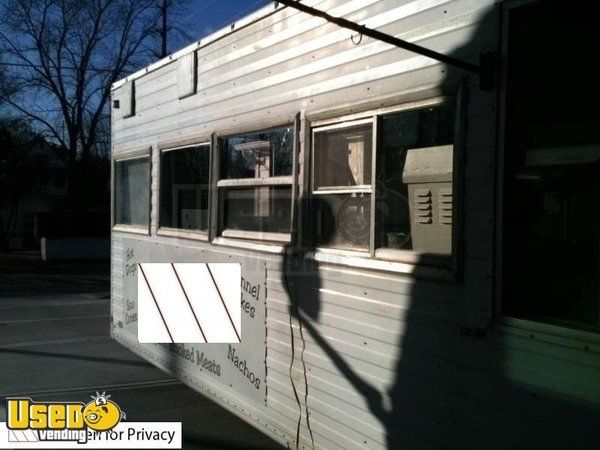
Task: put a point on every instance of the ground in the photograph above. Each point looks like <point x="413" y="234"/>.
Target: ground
<point x="55" y="345"/>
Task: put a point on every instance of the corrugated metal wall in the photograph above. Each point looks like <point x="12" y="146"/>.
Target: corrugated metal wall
<point x="290" y="61"/>
<point x="385" y="360"/>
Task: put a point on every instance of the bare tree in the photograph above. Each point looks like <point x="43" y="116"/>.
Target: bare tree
<point x="63" y="57"/>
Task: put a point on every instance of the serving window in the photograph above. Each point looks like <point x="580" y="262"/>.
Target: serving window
<point x="184" y="188"/>
<point x="132" y="192"/>
<point x="255" y="184"/>
<point x="384" y="184"/>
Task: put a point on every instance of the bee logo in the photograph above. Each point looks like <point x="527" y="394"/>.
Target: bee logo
<point x="102" y="414"/>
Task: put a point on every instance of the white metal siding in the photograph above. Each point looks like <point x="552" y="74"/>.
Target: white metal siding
<point x="290" y="61"/>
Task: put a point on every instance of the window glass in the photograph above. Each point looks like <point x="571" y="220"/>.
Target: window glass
<point x="260" y="154"/>
<point x="343" y="157"/>
<point x="551" y="212"/>
<point x="132" y="191"/>
<point x="263" y="209"/>
<point x="342" y="220"/>
<point x="414" y="180"/>
<point x="184" y="185"/>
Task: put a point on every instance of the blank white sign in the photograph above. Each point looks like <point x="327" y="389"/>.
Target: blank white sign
<point x="189" y="303"/>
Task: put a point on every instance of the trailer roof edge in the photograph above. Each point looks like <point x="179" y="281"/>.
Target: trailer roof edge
<point x="259" y="14"/>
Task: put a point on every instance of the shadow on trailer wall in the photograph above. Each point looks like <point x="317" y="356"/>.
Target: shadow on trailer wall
<point x="461" y="387"/>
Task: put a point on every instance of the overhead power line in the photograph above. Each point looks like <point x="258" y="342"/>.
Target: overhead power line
<point x="484" y="69"/>
<point x="37" y="66"/>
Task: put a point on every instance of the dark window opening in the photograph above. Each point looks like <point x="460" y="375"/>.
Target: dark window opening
<point x="184" y="188"/>
<point x="551" y="255"/>
<point x="265" y="209"/>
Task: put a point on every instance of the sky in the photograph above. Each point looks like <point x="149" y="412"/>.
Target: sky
<point x="203" y="17"/>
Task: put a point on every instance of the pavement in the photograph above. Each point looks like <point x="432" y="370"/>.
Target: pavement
<point x="55" y="345"/>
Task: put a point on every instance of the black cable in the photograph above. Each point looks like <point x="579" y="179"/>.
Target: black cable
<point x="294" y="311"/>
<point x="344" y="23"/>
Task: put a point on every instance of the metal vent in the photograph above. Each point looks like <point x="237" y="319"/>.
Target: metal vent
<point x="423" y="206"/>
<point x="445" y="206"/>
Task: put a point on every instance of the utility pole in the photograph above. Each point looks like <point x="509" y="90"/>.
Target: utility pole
<point x="164" y="8"/>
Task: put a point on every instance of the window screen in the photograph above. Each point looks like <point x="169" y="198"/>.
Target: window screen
<point x="341" y="204"/>
<point x="342" y="220"/>
<point x="343" y="157"/>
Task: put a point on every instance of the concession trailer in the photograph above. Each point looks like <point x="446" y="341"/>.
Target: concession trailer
<point x="417" y="225"/>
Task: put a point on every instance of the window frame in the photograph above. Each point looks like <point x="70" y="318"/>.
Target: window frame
<point x="202" y="235"/>
<point x="358" y="189"/>
<point x="218" y="232"/>
<point x="123" y="227"/>
<point x="413" y="257"/>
